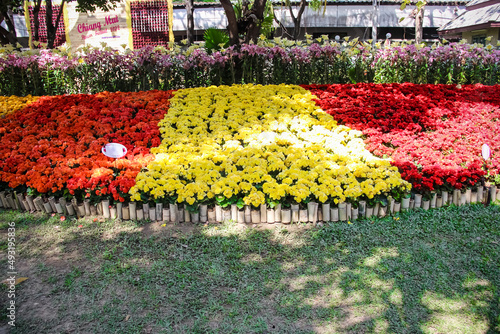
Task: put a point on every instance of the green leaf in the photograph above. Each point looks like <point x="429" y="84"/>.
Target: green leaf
<point x="240" y="204"/>
<point x="272" y="203"/>
<point x="193" y="208"/>
<point x="315" y="5"/>
<point x="223" y="201"/>
<point x="352" y="75"/>
<point x="214" y="38"/>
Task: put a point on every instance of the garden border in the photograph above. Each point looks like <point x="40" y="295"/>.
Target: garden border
<point x="247" y="215"/>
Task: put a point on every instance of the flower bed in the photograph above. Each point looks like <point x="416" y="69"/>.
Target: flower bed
<point x="259" y="145"/>
<point x="319" y="61"/>
<point x="264" y="147"/>
<point x="10" y="104"/>
<point x="54" y="145"/>
<point x="433" y="133"/>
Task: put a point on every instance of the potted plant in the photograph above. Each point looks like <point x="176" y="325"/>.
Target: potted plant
<point x="397" y="195"/>
<point x="295" y="207"/>
<point x="456" y="197"/>
<point x="255" y="212"/>
<point x="272" y="205"/>
<point x="312" y="210"/>
<point x="325" y="209"/>
<point x="193" y="211"/>
<point x="286" y="212"/>
<point x="240" y="205"/>
<point x="362" y="208"/>
<point x="343" y="211"/>
<point x="370" y="205"/>
<point x="132" y="208"/>
<point x="222" y="207"/>
<point x="426" y="200"/>
<point x="382" y="203"/>
<point x="172" y="205"/>
<point x="418" y="201"/>
<point x="405" y="201"/>
<point x="354" y="209"/>
<point x="473" y="195"/>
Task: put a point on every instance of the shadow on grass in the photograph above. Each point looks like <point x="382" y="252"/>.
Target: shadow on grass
<point x="429" y="272"/>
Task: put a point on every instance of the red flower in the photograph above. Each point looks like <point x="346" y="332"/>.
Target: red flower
<point x="433" y="133"/>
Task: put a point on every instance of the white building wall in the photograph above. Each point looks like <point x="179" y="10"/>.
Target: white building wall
<point x="361" y="16"/>
<point x="20" y="25"/>
<point x="335" y="16"/>
<point x="204" y="18"/>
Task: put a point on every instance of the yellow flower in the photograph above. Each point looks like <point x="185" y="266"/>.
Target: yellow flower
<point x="11" y="104"/>
<point x="233" y="140"/>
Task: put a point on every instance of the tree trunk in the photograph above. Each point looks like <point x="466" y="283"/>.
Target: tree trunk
<point x="51" y="30"/>
<point x="52" y="27"/>
<point x="297" y="20"/>
<point x="232" y="24"/>
<point x="283" y="28"/>
<point x="419" y="25"/>
<point x="8" y="37"/>
<point x="36" y="20"/>
<point x="253" y="28"/>
<point x="190" y="21"/>
<point x="375" y="21"/>
<point x="5" y="36"/>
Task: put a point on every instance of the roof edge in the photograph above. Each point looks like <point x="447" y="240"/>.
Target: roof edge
<point x="482" y="4"/>
<point x="338" y="2"/>
<point x="469" y="28"/>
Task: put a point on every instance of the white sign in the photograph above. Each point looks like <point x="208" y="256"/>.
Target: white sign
<point x="114" y="150"/>
<point x="109" y="27"/>
<point x="486" y="151"/>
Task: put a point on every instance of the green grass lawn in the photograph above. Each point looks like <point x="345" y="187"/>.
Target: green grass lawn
<point x="429" y="272"/>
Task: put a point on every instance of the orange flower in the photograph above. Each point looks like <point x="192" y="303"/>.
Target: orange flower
<point x="55" y="143"/>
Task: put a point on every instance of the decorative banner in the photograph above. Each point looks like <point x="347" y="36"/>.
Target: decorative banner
<point x="42" y="27"/>
<point x="136" y="24"/>
<point x="114" y="150"/>
<point x="151" y="22"/>
<point x="112" y="27"/>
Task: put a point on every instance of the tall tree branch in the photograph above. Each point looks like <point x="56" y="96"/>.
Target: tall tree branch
<point x="52" y="27"/>
<point x="190" y="21"/>
<point x="9" y="36"/>
<point x="253" y="28"/>
<point x="232" y="23"/>
<point x="283" y="28"/>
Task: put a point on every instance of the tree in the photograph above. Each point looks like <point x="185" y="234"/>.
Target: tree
<point x="232" y="23"/>
<point x="7" y="9"/>
<point x="249" y="21"/>
<point x="52" y="27"/>
<point x="190" y="21"/>
<point x="83" y="6"/>
<point x="296" y="19"/>
<point x="419" y="24"/>
<point x="418" y="14"/>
